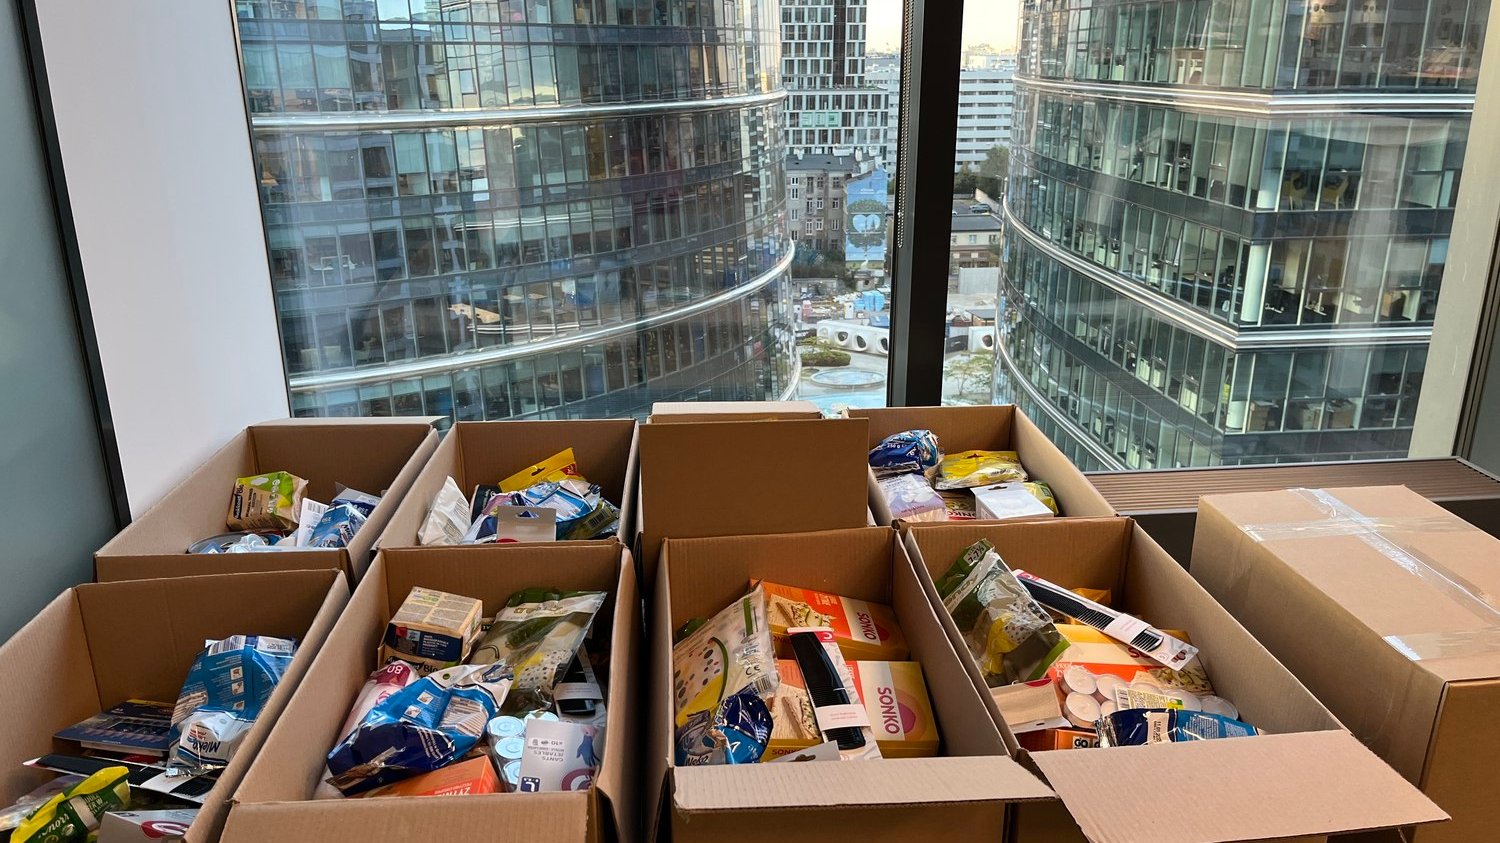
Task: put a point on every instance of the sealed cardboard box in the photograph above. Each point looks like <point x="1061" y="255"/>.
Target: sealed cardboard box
<point x="1002" y="428"/>
<point x="376" y="456"/>
<point x="1384" y="605"/>
<point x="1306" y="779"/>
<point x="98" y="645"/>
<point x="473" y="453"/>
<point x="965" y="793"/>
<point x="275" y="801"/>
<point x="749" y="477"/>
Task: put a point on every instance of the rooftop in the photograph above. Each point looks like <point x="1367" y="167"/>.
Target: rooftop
<point x="830" y="163"/>
<point x="975" y="222"/>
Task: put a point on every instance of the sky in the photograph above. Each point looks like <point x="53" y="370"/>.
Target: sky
<point x="985" y="21"/>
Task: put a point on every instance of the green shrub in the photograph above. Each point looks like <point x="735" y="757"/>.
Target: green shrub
<point x="825" y="358"/>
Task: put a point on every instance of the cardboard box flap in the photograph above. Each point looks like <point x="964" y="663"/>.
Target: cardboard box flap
<point x="896" y="781"/>
<point x="1259" y="788"/>
<point x="1414" y="575"/>
<point x="544" y="817"/>
<point x="751" y="477"/>
<point x="698" y="411"/>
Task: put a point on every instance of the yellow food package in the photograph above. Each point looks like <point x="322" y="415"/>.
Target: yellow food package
<point x="1043" y="493"/>
<point x="70" y="816"/>
<point x="863" y="630"/>
<point x="554" y="469"/>
<point x="967" y="469"/>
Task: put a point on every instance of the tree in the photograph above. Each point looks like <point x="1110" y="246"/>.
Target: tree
<point x="971" y="373"/>
<point x="993" y="170"/>
<point x="965" y="180"/>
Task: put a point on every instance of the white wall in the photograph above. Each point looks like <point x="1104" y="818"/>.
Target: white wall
<point x="156" y="153"/>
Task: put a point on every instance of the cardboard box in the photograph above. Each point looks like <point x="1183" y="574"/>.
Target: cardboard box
<point x="99" y="644"/>
<point x="488" y="452"/>
<point x="1307" y="779"/>
<point x="274" y="801"/>
<point x="1002" y="428"/>
<point x="371" y="455"/>
<point x="728" y="478"/>
<point x="1382" y="603"/>
<point x="699" y="411"/>
<point x="963" y="795"/>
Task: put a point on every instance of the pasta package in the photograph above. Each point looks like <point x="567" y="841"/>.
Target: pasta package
<point x="1007" y="632"/>
<point x="967" y="469"/>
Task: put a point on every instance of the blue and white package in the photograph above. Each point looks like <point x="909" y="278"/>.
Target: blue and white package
<point x="1142" y="726"/>
<point x="359" y="500"/>
<point x="337" y="527"/>
<point x="226" y="688"/>
<point x="735" y="732"/>
<point x="426" y="725"/>
<point x="573" y="500"/>
<point x="907" y="452"/>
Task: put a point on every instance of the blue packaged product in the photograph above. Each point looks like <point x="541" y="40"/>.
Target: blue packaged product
<point x="359" y="500"/>
<point x="573" y="500"/>
<point x="736" y="732"/>
<point x="1142" y="726"/>
<point x="426" y="725"/>
<point x="225" y="690"/>
<point x="907" y="452"/>
<point x="337" y="526"/>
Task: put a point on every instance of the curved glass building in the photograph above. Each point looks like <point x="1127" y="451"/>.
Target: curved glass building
<point x="485" y="209"/>
<point x="1226" y="223"/>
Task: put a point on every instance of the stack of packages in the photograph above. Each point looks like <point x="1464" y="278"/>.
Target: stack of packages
<point x="271" y="511"/>
<point x="549" y="501"/>
<point x="146" y="763"/>
<point x="793" y="674"/>
<point x="921" y="483"/>
<point x="1067" y="671"/>
<point x="465" y="706"/>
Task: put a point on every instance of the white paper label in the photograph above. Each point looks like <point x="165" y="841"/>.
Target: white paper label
<point x="1125" y="628"/>
<point x="847" y="716"/>
<point x="312" y="512"/>
<point x="828" y="751"/>
<point x="576" y="691"/>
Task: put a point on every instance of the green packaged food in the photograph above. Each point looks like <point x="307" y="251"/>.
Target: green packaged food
<point x="537" y="634"/>
<point x="270" y="501"/>
<point x="1043" y="493"/>
<point x="70" y="816"/>
<point x="1007" y="632"/>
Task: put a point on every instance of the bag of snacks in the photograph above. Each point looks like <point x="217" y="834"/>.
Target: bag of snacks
<point x="1008" y="633"/>
<point x="978" y="468"/>
<point x="537" y="635"/>
<point x="908" y="452"/>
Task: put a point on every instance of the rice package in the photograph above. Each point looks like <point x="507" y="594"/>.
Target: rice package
<point x="908" y="452"/>
<point x="420" y="728"/>
<point x="225" y="690"/>
<point x="1007" y="632"/>
<point x="910" y="498"/>
<point x="537" y="634"/>
<point x="978" y="468"/>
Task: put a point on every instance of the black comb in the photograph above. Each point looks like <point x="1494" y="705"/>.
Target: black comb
<point x="824" y="685"/>
<point x="144" y="776"/>
<point x="1059" y="599"/>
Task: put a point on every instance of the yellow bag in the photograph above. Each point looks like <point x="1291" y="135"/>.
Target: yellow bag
<point x="70" y="816"/>
<point x="967" y="469"/>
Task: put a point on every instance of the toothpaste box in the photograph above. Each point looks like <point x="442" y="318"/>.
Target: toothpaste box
<point x="894" y="697"/>
<point x="432" y="629"/>
<point x="863" y="630"/>
<point x="155" y="826"/>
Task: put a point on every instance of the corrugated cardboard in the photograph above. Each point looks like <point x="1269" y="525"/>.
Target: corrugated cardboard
<point x="963" y="795"/>
<point x="698" y="411"/>
<point x="1002" y="428"/>
<point x="1310" y="779"/>
<point x="371" y="455"/>
<point x="728" y="478"/>
<point x="274" y="802"/>
<point x="1324" y="595"/>
<point x="98" y="645"/>
<point x="488" y="452"/>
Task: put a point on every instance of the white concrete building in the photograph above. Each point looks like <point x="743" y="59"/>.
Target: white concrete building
<point x="832" y="109"/>
<point x="985" y="93"/>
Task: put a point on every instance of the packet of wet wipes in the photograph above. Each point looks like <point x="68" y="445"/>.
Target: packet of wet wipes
<point x="226" y="688"/>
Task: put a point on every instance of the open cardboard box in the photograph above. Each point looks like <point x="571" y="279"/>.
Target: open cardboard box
<point x="488" y="452"/>
<point x="275" y="800"/>
<point x="1396" y="625"/>
<point x="99" y="644"/>
<point x="1001" y="428"/>
<point x="1307" y="779"/>
<point x="749" y="477"/>
<point x="377" y="456"/>
<point x="963" y="794"/>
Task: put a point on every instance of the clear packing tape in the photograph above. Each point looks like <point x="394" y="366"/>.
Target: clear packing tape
<point x="1340" y="519"/>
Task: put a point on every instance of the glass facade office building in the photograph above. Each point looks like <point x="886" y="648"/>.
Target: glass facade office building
<point x="1226" y="223"/>
<point x="522" y="209"/>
